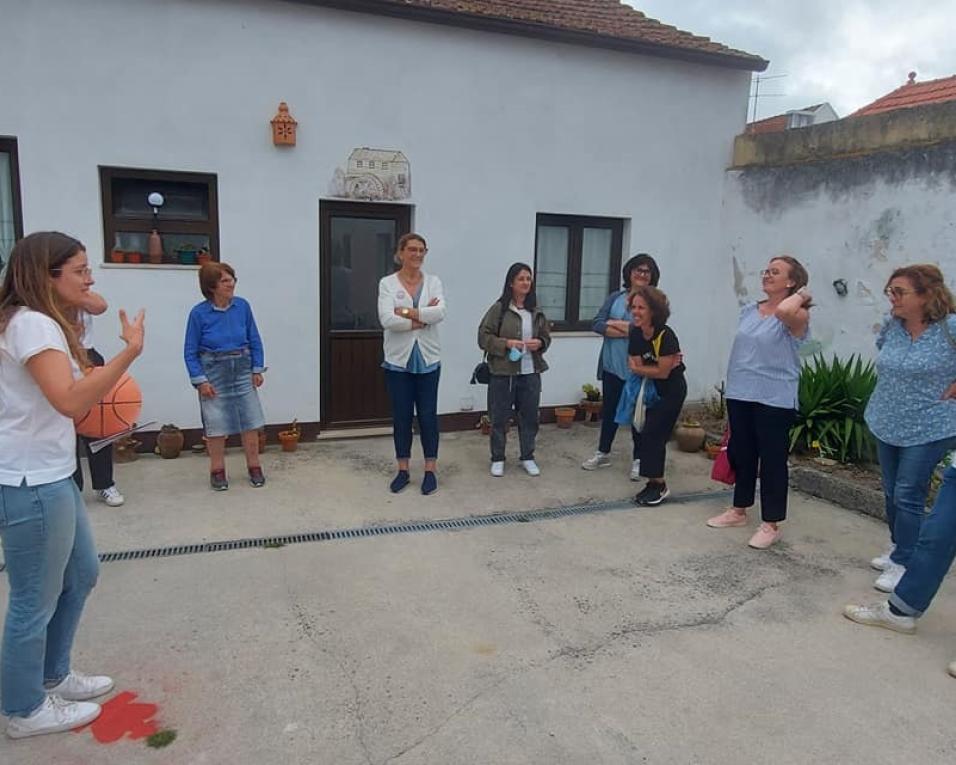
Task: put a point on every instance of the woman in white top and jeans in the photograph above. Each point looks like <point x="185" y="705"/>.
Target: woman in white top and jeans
<point x="50" y="557"/>
<point x="411" y="304"/>
<point x="762" y="382"/>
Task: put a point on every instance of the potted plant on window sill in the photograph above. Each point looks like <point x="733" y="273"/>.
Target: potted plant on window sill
<point x="591" y="403"/>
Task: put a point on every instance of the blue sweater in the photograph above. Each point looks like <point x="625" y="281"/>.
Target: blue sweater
<point x="212" y="329"/>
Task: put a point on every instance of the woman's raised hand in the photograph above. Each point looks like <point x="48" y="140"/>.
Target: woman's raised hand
<point x="132" y="332"/>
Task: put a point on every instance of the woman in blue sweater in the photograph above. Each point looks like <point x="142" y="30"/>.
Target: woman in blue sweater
<point x="225" y="361"/>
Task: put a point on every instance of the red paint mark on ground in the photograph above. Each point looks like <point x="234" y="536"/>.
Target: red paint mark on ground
<point x="121" y="716"/>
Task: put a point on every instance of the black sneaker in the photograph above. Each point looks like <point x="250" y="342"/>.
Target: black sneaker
<point x="256" y="478"/>
<point x="652" y="494"/>
<point x="217" y="479"/>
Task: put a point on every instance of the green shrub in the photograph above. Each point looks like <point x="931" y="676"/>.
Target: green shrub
<point x="833" y="397"/>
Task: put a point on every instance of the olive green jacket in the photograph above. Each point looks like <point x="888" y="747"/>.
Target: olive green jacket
<point x="494" y="341"/>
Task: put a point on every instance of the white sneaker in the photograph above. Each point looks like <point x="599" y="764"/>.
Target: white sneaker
<point x="879" y="615"/>
<point x="77" y="687"/>
<point x="111" y="496"/>
<point x="497" y="469"/>
<point x="531" y="467"/>
<point x="880" y="561"/>
<point x="53" y="716"/>
<point x="597" y="460"/>
<point x="887" y="581"/>
<point x="636" y="470"/>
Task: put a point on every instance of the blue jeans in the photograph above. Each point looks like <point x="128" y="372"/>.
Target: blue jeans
<point x="52" y="566"/>
<point x="414" y="394"/>
<point x="933" y="555"/>
<point x="906" y="473"/>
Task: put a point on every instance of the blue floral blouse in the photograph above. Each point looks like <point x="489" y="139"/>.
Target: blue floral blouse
<point x="906" y="408"/>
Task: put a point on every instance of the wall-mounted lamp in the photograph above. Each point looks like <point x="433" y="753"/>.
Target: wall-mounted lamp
<point x="840" y="286"/>
<point x="154" y="242"/>
<point x="283" y="126"/>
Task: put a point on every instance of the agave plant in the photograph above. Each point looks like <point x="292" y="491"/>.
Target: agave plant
<point x="833" y="396"/>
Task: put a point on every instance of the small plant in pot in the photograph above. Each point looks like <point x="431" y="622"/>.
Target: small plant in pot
<point x="484" y="425"/>
<point x="591" y="403"/>
<point x="289" y="438"/>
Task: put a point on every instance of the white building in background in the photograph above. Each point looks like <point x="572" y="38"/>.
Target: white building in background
<point x="569" y="143"/>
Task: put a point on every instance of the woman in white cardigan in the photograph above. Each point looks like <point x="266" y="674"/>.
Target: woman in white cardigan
<point x="411" y="303"/>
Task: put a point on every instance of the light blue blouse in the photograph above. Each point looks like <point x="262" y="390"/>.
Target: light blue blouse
<point x="906" y="408"/>
<point x="416" y="363"/>
<point x="764" y="364"/>
<point x="614" y="349"/>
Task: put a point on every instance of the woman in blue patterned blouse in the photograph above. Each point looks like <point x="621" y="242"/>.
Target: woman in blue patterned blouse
<point x="912" y="411"/>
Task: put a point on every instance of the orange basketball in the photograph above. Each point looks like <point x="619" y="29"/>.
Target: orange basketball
<point x="118" y="410"/>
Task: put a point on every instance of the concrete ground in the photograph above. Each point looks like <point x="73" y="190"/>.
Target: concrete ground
<point x="629" y="635"/>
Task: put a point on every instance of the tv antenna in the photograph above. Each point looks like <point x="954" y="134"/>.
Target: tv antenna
<point x="756" y="95"/>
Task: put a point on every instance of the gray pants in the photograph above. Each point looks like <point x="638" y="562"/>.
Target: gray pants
<point x="520" y="394"/>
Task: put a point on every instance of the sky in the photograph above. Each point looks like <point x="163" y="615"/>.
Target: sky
<point x="847" y="52"/>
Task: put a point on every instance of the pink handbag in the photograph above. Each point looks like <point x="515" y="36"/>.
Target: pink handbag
<point x="723" y="471"/>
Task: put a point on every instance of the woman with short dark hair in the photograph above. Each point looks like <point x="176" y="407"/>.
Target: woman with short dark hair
<point x="613" y="323"/>
<point x="654" y="353"/>
<point x="225" y="360"/>
<point x="514" y="333"/>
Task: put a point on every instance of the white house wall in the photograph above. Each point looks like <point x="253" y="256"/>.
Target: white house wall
<point x="854" y="219"/>
<point x="497" y="128"/>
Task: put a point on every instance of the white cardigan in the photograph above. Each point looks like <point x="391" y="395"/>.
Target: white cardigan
<point x="399" y="336"/>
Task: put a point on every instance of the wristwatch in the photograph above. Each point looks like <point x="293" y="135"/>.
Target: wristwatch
<point x="406" y="311"/>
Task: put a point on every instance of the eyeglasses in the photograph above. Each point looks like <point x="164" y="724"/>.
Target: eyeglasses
<point x="897" y="292"/>
<point x="771" y="272"/>
<point x="643" y="271"/>
<point x="84" y="272"/>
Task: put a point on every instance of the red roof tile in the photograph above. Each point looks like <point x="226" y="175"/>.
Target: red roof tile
<point x="912" y="94"/>
<point x="610" y="21"/>
<point x="768" y="125"/>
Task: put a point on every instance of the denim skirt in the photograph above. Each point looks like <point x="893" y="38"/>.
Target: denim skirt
<point x="235" y="408"/>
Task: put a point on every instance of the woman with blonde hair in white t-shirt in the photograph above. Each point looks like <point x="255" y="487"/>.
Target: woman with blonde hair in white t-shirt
<point x="51" y="560"/>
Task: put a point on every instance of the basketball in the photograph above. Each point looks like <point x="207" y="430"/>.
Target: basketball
<point x="118" y="410"/>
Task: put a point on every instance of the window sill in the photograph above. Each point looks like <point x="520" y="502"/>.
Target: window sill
<point x="151" y="266"/>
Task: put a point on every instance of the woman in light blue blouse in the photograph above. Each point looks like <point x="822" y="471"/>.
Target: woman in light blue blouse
<point x="762" y="381"/>
<point x="912" y="412"/>
<point x="225" y="361"/>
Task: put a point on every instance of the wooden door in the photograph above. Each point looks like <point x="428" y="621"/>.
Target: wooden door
<point x="357" y="245"/>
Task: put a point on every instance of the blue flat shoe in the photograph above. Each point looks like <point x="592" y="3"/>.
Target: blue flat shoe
<point x="429" y="483"/>
<point x="399" y="482"/>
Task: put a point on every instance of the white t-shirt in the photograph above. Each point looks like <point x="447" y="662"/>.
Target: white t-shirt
<point x="86" y="339"/>
<point x="37" y="443"/>
<point x="527" y="362"/>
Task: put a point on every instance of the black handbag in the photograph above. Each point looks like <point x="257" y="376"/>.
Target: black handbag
<point x="482" y="373"/>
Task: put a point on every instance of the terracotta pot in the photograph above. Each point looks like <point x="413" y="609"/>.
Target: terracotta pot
<point x="203" y="256"/>
<point x="117" y="256"/>
<point x="564" y="416"/>
<point x="289" y="441"/>
<point x="154" y="248"/>
<point x="134" y="257"/>
<point x="592" y="410"/>
<point x="170" y="442"/>
<point x="690" y="436"/>
<point x="486" y="428"/>
<point x="712" y="450"/>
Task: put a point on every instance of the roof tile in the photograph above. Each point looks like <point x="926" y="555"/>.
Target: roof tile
<point x="912" y="94"/>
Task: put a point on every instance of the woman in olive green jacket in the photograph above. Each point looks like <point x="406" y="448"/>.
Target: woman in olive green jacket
<point x="514" y="333"/>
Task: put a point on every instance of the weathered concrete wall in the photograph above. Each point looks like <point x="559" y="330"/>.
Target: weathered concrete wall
<point x="852" y="218"/>
<point x="904" y="128"/>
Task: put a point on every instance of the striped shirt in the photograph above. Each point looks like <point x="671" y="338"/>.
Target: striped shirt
<point x="764" y="364"/>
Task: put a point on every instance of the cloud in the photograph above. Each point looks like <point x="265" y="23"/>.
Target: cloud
<point x="848" y="52"/>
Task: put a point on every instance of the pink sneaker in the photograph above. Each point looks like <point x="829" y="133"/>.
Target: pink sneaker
<point x="727" y="519"/>
<point x="766" y="535"/>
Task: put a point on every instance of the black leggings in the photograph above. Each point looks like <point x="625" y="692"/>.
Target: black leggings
<point x="760" y="442"/>
<point x="659" y="423"/>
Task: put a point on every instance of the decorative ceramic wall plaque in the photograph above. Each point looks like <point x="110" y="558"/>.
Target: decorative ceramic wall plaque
<point x="373" y="175"/>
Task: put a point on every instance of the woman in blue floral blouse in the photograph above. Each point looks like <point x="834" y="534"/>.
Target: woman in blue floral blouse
<point x="912" y="411"/>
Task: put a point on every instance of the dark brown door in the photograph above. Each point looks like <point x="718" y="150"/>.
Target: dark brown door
<point x="357" y="243"/>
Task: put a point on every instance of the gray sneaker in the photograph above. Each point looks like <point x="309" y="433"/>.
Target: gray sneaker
<point x="597" y="460"/>
<point x="879" y="615"/>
